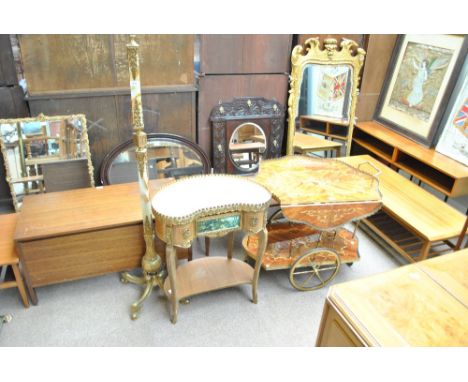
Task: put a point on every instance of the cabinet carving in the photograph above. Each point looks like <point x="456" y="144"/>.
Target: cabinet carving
<point x="244" y="132"/>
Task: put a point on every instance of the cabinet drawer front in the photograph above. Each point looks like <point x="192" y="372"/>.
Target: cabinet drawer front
<point x="71" y="257"/>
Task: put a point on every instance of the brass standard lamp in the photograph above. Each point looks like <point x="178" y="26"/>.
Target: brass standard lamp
<point x="153" y="275"/>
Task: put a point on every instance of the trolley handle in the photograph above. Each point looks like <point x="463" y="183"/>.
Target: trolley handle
<point x="377" y="171"/>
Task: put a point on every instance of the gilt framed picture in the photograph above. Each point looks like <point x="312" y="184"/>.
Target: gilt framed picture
<point x="420" y="78"/>
<point x="453" y="141"/>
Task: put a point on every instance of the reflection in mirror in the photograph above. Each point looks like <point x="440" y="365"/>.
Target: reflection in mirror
<point x="323" y="95"/>
<point x="169" y="156"/>
<point x="32" y="148"/>
<point x="247" y="146"/>
<point x="325" y="92"/>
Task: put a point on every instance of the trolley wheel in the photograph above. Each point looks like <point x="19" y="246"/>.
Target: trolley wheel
<point x="314" y="269"/>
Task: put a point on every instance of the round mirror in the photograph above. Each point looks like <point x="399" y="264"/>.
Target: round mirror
<point x="247" y="146"/>
<point x="169" y="156"/>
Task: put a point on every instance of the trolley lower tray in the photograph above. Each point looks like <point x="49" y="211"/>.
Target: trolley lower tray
<point x="287" y="241"/>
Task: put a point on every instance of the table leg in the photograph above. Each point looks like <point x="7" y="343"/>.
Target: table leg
<point x="230" y="245"/>
<point x="207" y="246"/>
<point x="20" y="285"/>
<point x="263" y="236"/>
<point x="424" y="251"/>
<point x="172" y="269"/>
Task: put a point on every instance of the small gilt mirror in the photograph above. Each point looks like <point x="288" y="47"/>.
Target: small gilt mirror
<point x="323" y="94"/>
<point x="45" y="154"/>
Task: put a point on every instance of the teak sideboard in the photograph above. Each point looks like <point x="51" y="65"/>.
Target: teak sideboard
<point x="69" y="235"/>
<point x="437" y="170"/>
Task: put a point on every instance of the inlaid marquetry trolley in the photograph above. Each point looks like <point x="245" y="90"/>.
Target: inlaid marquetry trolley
<point x="316" y="198"/>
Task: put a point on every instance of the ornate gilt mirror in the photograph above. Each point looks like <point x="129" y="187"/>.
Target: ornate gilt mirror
<point x="323" y="91"/>
<point x="169" y="155"/>
<point x="45" y="154"/>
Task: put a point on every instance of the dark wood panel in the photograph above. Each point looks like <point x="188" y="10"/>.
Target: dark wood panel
<point x="224" y="54"/>
<point x="109" y="118"/>
<point x="12" y="103"/>
<point x="65" y="175"/>
<point x="55" y="63"/>
<point x="7" y="64"/>
<point x="5" y="195"/>
<point x="225" y="87"/>
<point x="379" y="52"/>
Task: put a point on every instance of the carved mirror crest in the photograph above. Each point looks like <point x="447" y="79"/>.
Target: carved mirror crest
<point x="323" y="89"/>
<point x="45" y="154"/>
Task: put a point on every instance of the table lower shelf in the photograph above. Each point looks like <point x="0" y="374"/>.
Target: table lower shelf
<point x="209" y="274"/>
<point x="393" y="235"/>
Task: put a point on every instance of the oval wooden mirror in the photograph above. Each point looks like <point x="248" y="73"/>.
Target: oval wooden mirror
<point x="169" y="155"/>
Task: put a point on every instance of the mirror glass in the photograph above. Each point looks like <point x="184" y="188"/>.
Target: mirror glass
<point x="325" y="102"/>
<point x="32" y="146"/>
<point x="247" y="146"/>
<point x="166" y="158"/>
<point x="326" y="92"/>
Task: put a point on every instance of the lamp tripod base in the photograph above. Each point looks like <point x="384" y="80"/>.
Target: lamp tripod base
<point x="149" y="281"/>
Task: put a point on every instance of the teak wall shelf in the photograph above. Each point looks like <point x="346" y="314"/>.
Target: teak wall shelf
<point x="438" y="171"/>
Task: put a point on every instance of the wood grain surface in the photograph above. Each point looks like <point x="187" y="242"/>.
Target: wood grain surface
<point x="245" y="53"/>
<point x="88" y="254"/>
<point x="209" y="274"/>
<point x="7" y="247"/>
<point x="82" y="62"/>
<point x="403" y="307"/>
<point x="81" y="210"/>
<point x="423" y="212"/>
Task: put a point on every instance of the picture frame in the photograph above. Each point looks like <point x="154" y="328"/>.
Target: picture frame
<point x="453" y="141"/>
<point x="420" y="78"/>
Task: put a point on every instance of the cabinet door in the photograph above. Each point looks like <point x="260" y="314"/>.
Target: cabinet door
<point x="334" y="330"/>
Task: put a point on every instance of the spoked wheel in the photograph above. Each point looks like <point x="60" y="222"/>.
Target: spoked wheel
<point x="314" y="269"/>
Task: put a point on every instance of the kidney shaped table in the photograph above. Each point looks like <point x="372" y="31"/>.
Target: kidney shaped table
<point x="213" y="206"/>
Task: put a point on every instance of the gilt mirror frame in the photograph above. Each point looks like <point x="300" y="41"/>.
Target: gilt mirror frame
<point x="346" y="53"/>
<point x="84" y="141"/>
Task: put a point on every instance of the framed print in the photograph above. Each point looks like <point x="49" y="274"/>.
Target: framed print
<point x="420" y="78"/>
<point x="453" y="141"/>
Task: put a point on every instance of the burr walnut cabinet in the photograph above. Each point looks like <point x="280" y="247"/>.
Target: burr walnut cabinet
<point x="423" y="304"/>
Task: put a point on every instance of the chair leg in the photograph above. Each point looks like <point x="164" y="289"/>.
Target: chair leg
<point x="207" y="246"/>
<point x="20" y="285"/>
<point x="190" y="253"/>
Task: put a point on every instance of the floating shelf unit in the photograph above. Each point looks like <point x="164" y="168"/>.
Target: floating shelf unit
<point x="438" y="171"/>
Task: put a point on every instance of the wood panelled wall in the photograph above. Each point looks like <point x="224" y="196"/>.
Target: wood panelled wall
<point x="240" y="66"/>
<point x="60" y="63"/>
<point x="88" y="74"/>
<point x="379" y="51"/>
